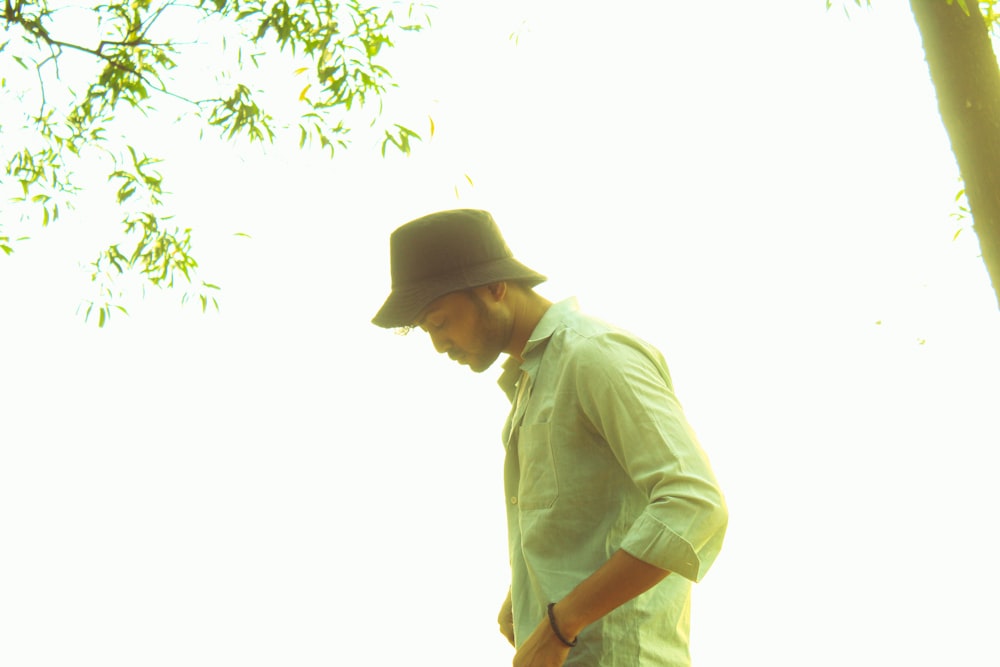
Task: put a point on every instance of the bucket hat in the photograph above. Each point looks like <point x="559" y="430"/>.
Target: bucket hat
<point x="445" y="252"/>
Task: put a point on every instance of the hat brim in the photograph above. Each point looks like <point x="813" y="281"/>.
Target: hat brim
<point x="406" y="302"/>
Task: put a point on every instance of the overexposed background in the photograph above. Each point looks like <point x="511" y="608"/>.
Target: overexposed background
<point x="763" y="190"/>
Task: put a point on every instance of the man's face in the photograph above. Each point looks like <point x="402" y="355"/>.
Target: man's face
<point x="472" y="327"/>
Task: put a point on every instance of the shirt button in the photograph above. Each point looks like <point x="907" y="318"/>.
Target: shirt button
<point x="513" y="500"/>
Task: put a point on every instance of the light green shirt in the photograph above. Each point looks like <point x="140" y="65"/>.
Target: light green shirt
<point x="600" y="458"/>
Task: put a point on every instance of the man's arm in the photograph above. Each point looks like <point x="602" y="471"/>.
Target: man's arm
<point x="620" y="579"/>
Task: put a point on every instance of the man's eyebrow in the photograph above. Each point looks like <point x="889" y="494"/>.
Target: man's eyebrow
<point x="419" y="322"/>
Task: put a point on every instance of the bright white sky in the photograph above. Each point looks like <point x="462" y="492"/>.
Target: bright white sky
<point x="751" y="186"/>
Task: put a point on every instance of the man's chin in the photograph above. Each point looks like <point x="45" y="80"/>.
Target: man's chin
<point x="479" y="365"/>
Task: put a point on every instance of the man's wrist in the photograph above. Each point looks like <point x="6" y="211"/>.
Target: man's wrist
<point x="571" y="623"/>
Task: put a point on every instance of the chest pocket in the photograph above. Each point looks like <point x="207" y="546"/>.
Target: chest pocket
<point x="538" y="485"/>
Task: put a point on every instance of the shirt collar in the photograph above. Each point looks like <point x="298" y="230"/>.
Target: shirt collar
<point x="551" y="320"/>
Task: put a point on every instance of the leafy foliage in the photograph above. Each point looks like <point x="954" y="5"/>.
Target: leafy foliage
<point x="991" y="15"/>
<point x="77" y="81"/>
<point x="989" y="8"/>
<point x="859" y="3"/>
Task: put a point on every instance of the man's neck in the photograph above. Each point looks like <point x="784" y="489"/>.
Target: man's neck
<point x="528" y="312"/>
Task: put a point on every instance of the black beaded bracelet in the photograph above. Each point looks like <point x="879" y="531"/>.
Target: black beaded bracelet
<point x="555" y="628"/>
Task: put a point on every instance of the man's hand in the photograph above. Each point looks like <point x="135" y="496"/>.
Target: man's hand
<point x="620" y="579"/>
<point x="543" y="649"/>
<point x="506" y="619"/>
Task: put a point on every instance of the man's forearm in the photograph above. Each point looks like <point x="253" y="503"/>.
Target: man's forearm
<point x="616" y="582"/>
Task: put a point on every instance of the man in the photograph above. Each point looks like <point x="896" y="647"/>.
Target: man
<point x="612" y="507"/>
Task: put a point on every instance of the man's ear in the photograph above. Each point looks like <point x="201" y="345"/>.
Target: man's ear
<point x="498" y="290"/>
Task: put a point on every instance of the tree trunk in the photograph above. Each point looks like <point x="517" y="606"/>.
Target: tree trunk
<point x="966" y="77"/>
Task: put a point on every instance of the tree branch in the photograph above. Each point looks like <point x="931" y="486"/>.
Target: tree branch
<point x="56" y="45"/>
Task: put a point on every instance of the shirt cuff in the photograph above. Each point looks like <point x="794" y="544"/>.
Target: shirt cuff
<point x="654" y="543"/>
